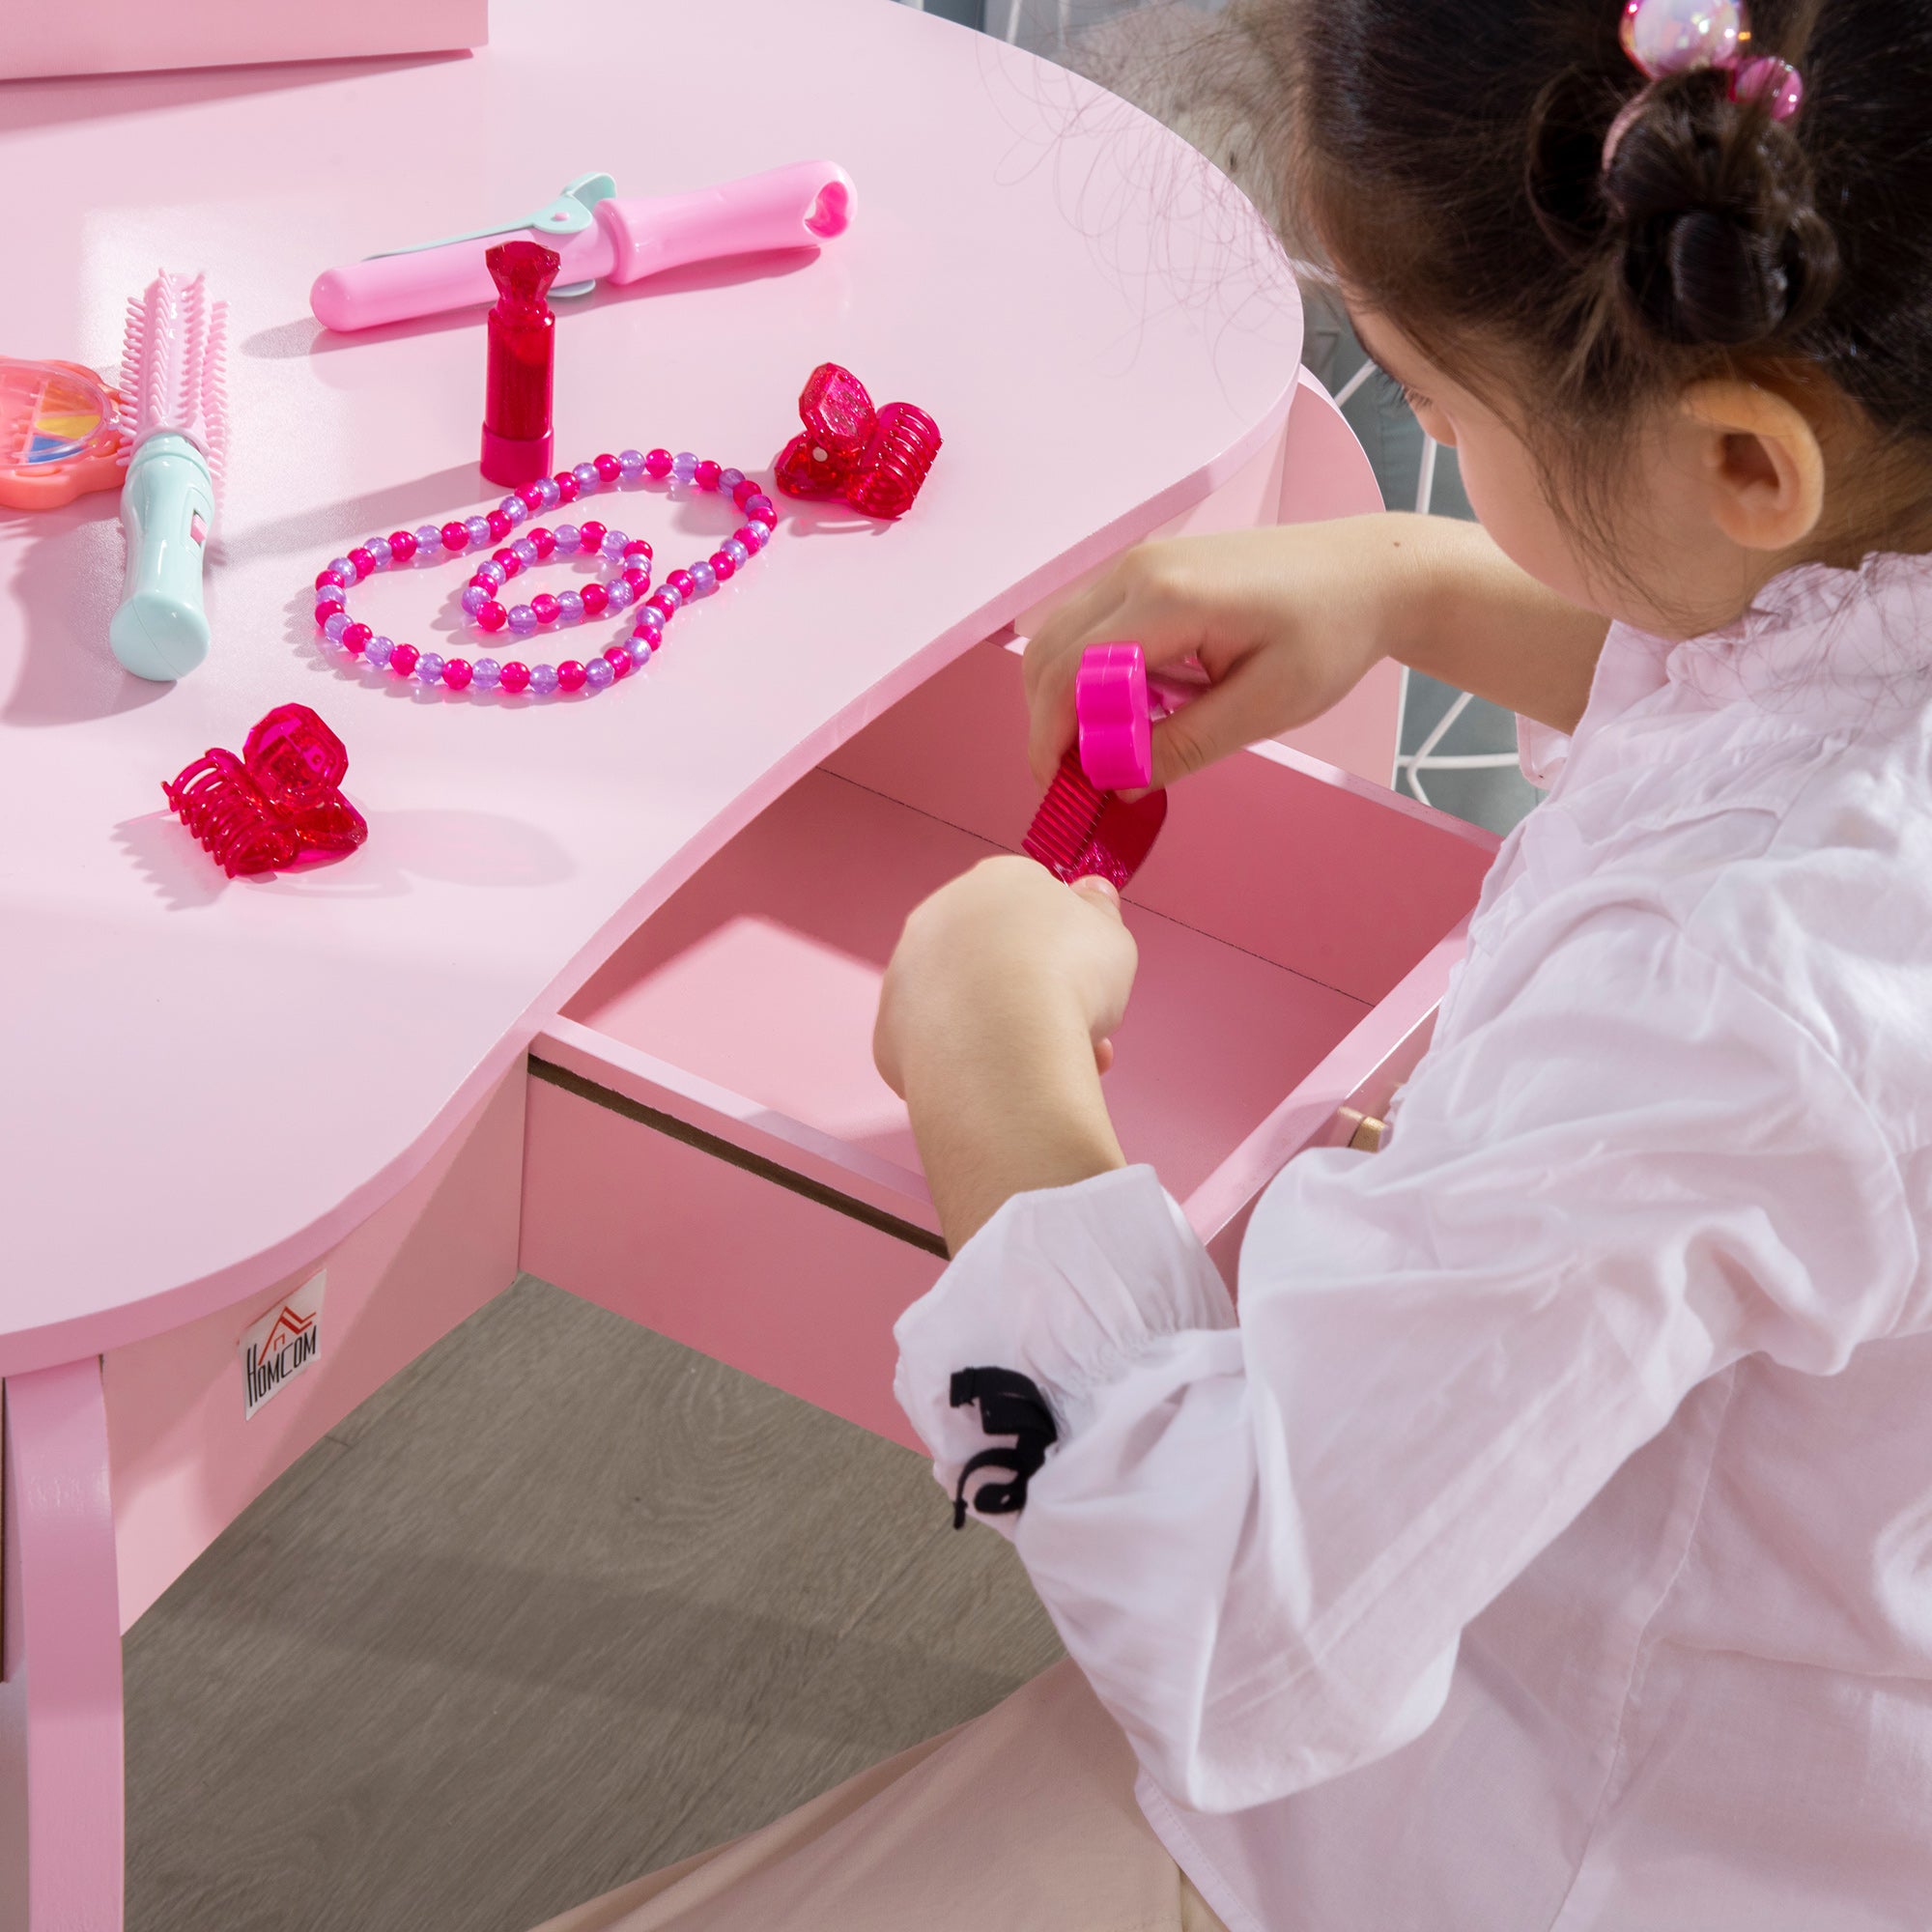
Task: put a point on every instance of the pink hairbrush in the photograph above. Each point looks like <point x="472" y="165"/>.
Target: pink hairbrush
<point x="1082" y="830"/>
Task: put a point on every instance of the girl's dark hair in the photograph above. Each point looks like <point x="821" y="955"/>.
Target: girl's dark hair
<point x="1451" y="153"/>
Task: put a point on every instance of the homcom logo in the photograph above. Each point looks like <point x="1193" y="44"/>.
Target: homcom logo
<point x="281" y="1345"/>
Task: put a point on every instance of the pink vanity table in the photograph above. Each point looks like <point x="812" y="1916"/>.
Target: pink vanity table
<point x="594" y="1000"/>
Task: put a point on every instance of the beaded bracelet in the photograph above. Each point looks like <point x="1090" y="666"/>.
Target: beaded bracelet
<point x="630" y="578"/>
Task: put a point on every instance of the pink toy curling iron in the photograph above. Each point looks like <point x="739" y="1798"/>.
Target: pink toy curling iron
<point x="599" y="238"/>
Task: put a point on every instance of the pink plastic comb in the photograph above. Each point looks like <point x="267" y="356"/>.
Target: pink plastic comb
<point x="1082" y="830"/>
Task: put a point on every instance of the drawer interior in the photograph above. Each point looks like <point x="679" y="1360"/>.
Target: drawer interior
<point x="1284" y="902"/>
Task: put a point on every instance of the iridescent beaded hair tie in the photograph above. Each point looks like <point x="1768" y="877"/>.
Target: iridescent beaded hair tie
<point x="1670" y="37"/>
<point x="627" y="582"/>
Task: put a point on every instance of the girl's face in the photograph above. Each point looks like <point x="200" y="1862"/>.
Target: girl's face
<point x="1658" y="555"/>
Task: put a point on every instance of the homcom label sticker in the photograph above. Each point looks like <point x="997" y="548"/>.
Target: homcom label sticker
<point x="284" y="1343"/>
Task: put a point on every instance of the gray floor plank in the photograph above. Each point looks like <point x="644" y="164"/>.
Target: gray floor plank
<point x="958" y="1628"/>
<point x="573" y="1603"/>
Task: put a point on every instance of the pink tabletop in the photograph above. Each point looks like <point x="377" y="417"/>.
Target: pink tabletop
<point x="206" y="1082"/>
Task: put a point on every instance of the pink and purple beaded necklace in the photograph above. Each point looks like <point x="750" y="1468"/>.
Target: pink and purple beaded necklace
<point x="626" y="584"/>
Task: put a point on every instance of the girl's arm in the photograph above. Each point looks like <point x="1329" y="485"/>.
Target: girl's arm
<point x="994" y="1024"/>
<point x="1261" y="1542"/>
<point x="1462" y="613"/>
<point x="1005" y="1112"/>
<point x="1287" y="621"/>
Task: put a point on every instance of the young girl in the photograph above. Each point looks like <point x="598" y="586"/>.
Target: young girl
<point x="1549" y="1542"/>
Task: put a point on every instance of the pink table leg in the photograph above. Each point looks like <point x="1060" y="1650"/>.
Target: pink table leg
<point x="62" y="1793"/>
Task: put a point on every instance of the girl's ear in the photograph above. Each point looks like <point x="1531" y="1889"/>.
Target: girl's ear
<point x="1761" y="459"/>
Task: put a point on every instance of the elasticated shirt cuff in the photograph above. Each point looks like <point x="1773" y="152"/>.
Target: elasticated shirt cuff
<point x="1069" y="1286"/>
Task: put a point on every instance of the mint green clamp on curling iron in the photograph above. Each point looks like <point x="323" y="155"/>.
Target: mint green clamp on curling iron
<point x="171" y="373"/>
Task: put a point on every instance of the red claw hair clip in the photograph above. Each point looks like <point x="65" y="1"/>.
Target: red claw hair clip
<point x="1082" y="832"/>
<point x="278" y="801"/>
<point x="1082" y="826"/>
<point x="876" y="459"/>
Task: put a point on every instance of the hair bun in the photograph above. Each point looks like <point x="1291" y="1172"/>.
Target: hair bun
<point x="1711" y="201"/>
<point x="1705" y="277"/>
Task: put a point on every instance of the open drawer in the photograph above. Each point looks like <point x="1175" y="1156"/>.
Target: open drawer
<point x="711" y="1152"/>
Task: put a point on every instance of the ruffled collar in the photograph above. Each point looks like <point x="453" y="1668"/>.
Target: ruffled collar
<point x="1820" y="639"/>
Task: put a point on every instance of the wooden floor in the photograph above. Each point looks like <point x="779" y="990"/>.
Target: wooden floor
<point x="563" y="1602"/>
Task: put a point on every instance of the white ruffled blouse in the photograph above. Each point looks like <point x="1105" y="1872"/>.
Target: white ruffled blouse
<point x="1548" y="1544"/>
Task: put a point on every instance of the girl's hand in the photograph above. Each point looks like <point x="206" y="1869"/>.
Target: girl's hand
<point x="1284" y="622"/>
<point x="1004" y="953"/>
<point x="994" y="1024"/>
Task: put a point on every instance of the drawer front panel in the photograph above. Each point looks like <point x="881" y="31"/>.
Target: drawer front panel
<point x="769" y="1272"/>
